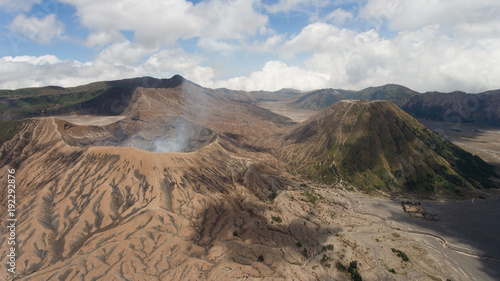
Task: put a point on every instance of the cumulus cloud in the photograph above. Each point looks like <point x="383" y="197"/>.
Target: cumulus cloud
<point x="294" y="5"/>
<point x="339" y="16"/>
<point x="124" y="53"/>
<point x="235" y="19"/>
<point x="169" y="62"/>
<point x="429" y="45"/>
<point x="32" y="71"/>
<point x="276" y="75"/>
<point x="156" y="22"/>
<point x="318" y="37"/>
<point x="17" y="5"/>
<point x="40" y="30"/>
<point x="102" y="38"/>
<point x="424" y="59"/>
<point x="269" y="45"/>
<point x="461" y="17"/>
<point x="152" y="21"/>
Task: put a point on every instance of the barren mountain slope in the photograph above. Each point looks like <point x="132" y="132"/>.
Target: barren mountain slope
<point x="218" y="206"/>
<point x="104" y="213"/>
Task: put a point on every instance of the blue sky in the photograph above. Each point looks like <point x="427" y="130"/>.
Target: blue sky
<point x="253" y="44"/>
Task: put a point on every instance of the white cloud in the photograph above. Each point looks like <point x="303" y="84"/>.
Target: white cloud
<point x="214" y="45"/>
<point x="235" y="19"/>
<point x="432" y="45"/>
<point x="425" y="59"/>
<point x="155" y="22"/>
<point x="124" y="53"/>
<point x="294" y="5"/>
<point x="318" y="37"/>
<point x="101" y="38"/>
<point x="460" y="17"/>
<point x="166" y="63"/>
<point x="339" y="16"/>
<point x="269" y="45"/>
<point x="31" y="71"/>
<point x="40" y="30"/>
<point x="276" y="75"/>
<point x="47" y="59"/>
<point x="17" y="5"/>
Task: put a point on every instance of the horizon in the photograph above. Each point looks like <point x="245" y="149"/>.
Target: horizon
<point x="253" y="45"/>
<point x="282" y="89"/>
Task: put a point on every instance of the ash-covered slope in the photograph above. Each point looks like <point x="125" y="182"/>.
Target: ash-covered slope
<point x="222" y="208"/>
<point x="376" y="145"/>
<point x="107" y="213"/>
<point x="159" y="115"/>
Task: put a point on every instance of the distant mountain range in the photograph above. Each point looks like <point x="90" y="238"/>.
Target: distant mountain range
<point x="481" y="109"/>
<point x="320" y="99"/>
<point x="457" y="107"/>
<point x="101" y="98"/>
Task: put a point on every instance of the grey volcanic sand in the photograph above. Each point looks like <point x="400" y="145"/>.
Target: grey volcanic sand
<point x="468" y="232"/>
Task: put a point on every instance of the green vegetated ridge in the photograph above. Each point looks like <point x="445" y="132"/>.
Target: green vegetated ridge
<point x="35" y="102"/>
<point x="320" y="99"/>
<point x="102" y="98"/>
<point x="376" y="145"/>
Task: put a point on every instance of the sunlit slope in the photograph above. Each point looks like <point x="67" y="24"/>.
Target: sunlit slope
<point x="376" y="145"/>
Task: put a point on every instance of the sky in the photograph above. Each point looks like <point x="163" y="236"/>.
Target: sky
<point x="426" y="45"/>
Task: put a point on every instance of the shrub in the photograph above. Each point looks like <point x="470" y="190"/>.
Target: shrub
<point x="273" y="195"/>
<point x="400" y="254"/>
<point x="304" y="253"/>
<point x="311" y="197"/>
<point x="356" y="276"/>
<point x="392" y="271"/>
<point x="277" y="219"/>
<point x="260" y="258"/>
<point x="340" y="266"/>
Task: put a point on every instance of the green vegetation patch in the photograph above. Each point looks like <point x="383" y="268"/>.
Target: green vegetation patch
<point x="277" y="219"/>
<point x="328" y="247"/>
<point x="340" y="266"/>
<point x="353" y="270"/>
<point x="400" y="254"/>
<point x="8" y="129"/>
<point x="311" y="196"/>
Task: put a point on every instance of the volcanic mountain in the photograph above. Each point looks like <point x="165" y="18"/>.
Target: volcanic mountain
<point x="458" y="107"/>
<point x="162" y="179"/>
<point x="376" y="145"/>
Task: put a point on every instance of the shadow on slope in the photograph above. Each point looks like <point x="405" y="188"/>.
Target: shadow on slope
<point x="242" y="240"/>
<point x="166" y="134"/>
<point x="469" y="229"/>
